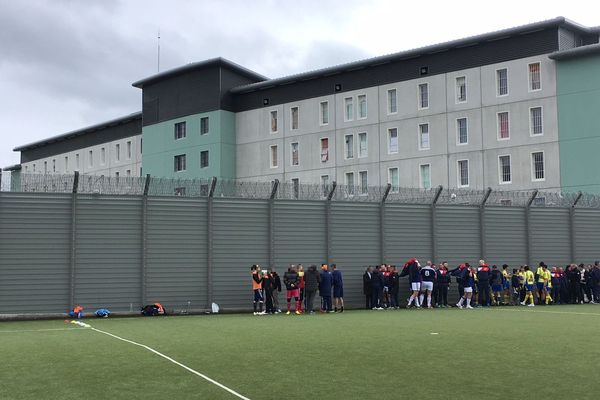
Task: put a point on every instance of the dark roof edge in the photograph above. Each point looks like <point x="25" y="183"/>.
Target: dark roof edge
<point x="581" y="51"/>
<point x="200" y="64"/>
<point x="16" y="167"/>
<point x="519" y="30"/>
<point x="79" y="132"/>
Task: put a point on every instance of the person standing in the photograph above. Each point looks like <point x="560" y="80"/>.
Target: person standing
<point x="377" y="289"/>
<point x="428" y="278"/>
<point x="338" y="288"/>
<point x="483" y="283"/>
<point x="276" y="289"/>
<point x="412" y="269"/>
<point x="595" y="276"/>
<point x="301" y="284"/>
<point x="312" y="279"/>
<point x="574" y="278"/>
<point x="529" y="286"/>
<point x="394" y="287"/>
<point x="497" y="288"/>
<point x="443" y="284"/>
<point x="516" y="288"/>
<point x="367" y="287"/>
<point x="505" y="284"/>
<point x="468" y="281"/>
<point x="267" y="286"/>
<point x="325" y="288"/>
<point x="257" y="289"/>
<point x="292" y="283"/>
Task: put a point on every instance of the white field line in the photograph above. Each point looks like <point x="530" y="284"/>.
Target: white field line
<point x="547" y="311"/>
<point x="233" y="392"/>
<point x="39" y="330"/>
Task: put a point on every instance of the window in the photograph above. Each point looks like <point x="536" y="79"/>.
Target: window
<point x="537" y="166"/>
<point x="295" y="155"/>
<point x="45" y="167"/>
<point x="204" y="159"/>
<point x="295" y="187"/>
<point x="350" y="182"/>
<point x="274" y="156"/>
<point x="325" y="185"/>
<point x="463" y="173"/>
<point x="364" y="182"/>
<point x="349" y="149"/>
<point x="180" y="191"/>
<point x="179" y="130"/>
<point x="503" y="126"/>
<point x="324" y="113"/>
<point x="539" y="201"/>
<point x="33" y="167"/>
<point x="294" y="111"/>
<point x="425" y="176"/>
<point x="324" y="150"/>
<point x="53" y="165"/>
<point x="502" y="82"/>
<point x="362" y="144"/>
<point x="179" y="163"/>
<point x="348" y="109"/>
<point x="362" y="106"/>
<point x="536" y="125"/>
<point x="274" y="121"/>
<point x="424" y="137"/>
<point x="392" y="140"/>
<point x="117" y="175"/>
<point x="141" y="145"/>
<point x="102" y="155"/>
<point x="118" y="152"/>
<point x="462" y="131"/>
<point x="392" y="101"/>
<point x="129" y="150"/>
<point x="204" y="125"/>
<point x="505" y="172"/>
<point x="77" y="162"/>
<point x="128" y="173"/>
<point x="505" y="202"/>
<point x="423" y="95"/>
<point x="461" y="89"/>
<point x="91" y="158"/>
<point x="535" y="82"/>
<point x="66" y="164"/>
<point x="394" y="179"/>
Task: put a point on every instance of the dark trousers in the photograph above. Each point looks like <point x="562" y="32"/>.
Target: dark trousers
<point x="574" y="295"/>
<point x="376" y="297"/>
<point x="596" y="290"/>
<point x="442" y="295"/>
<point x="310" y="299"/>
<point x="326" y="300"/>
<point x="368" y="305"/>
<point x="484" y="293"/>
<point x="269" y="301"/>
<point x="394" y="298"/>
<point x="555" y="293"/>
<point x="461" y="290"/>
<point x="435" y="293"/>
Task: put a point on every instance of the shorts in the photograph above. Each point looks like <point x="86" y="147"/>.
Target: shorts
<point x="468" y="289"/>
<point x="386" y="289"/>
<point x="415" y="286"/>
<point x="293" y="293"/>
<point x="506" y="285"/>
<point x="338" y="292"/>
<point x="427" y="286"/>
<point x="258" y="296"/>
<point x="529" y="287"/>
<point x="496" y="288"/>
<point x="540" y="285"/>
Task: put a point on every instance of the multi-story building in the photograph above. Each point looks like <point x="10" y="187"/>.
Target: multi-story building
<point x="513" y="109"/>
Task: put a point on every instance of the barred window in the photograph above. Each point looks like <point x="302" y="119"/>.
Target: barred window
<point x="502" y="82"/>
<point x="179" y="130"/>
<point x="537" y="163"/>
<point x="392" y="101"/>
<point x="461" y="89"/>
<point x="461" y="129"/>
<point x="179" y="162"/>
<point x="324" y="149"/>
<point x="535" y="82"/>
<point x="463" y="173"/>
<point x="350" y="182"/>
<point x="394" y="179"/>
<point x="203" y="125"/>
<point x="295" y="117"/>
<point x="424" y="95"/>
<point x="364" y="182"/>
<point x="503" y="125"/>
<point x="295" y="155"/>
<point x="505" y="170"/>
<point x="536" y="121"/>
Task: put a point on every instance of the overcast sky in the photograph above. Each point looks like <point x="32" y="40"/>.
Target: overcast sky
<point x="66" y="64"/>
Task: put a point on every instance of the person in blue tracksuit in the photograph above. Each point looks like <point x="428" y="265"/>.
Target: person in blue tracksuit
<point x="338" y="288"/>
<point x="377" y="289"/>
<point x="325" y="288"/>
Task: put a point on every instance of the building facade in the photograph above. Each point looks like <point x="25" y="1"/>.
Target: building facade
<point x="511" y="110"/>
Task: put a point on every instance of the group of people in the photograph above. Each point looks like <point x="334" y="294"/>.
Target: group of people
<point x="301" y="289"/>
<point x="483" y="286"/>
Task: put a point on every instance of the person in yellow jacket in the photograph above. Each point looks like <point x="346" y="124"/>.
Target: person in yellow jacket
<point x="529" y="287"/>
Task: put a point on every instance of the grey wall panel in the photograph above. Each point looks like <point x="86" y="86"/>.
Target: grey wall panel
<point x="505" y="236"/>
<point x="355" y="244"/>
<point x="458" y="237"/>
<point x="177" y="252"/>
<point x="407" y="233"/>
<point x="550" y="236"/>
<point x="108" y="252"/>
<point x="299" y="234"/>
<point x="34" y="252"/>
<point x="240" y="240"/>
<point x="587" y="235"/>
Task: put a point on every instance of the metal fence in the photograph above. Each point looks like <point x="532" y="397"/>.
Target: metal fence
<point x="121" y="243"/>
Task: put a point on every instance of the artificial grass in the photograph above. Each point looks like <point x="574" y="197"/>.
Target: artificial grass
<point x="497" y="353"/>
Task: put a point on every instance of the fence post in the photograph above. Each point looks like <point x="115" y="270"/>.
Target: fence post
<point x="438" y="192"/>
<point x="528" y="225"/>
<point x="328" y="222"/>
<point x="271" y="222"/>
<point x="382" y="248"/>
<point x="73" y="261"/>
<point x="572" y="228"/>
<point x="482" y="230"/>
<point x="144" y="280"/>
<point x="209" y="228"/>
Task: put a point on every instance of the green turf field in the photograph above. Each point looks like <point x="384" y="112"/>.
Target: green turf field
<point x="497" y="353"/>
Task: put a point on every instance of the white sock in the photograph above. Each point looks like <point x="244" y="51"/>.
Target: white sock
<point x="412" y="297"/>
<point x="461" y="301"/>
<point x="421" y="298"/>
<point x="428" y="301"/>
<point x="468" y="302"/>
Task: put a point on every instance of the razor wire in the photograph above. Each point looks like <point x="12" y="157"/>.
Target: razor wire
<point x="291" y="190"/>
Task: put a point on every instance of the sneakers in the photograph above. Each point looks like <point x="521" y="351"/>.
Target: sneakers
<point x="522" y="303"/>
<point x="531" y="305"/>
<point x="459" y="306"/>
<point x="298" y="312"/>
<point x="262" y="313"/>
<point x="469" y="307"/>
<point x="255" y="313"/>
<point x="288" y="313"/>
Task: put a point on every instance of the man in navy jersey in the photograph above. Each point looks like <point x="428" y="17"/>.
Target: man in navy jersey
<point x="428" y="277"/>
<point x="411" y="268"/>
<point x="467" y="280"/>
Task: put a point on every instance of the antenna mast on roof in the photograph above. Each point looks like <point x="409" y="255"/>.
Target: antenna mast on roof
<point x="158" y="60"/>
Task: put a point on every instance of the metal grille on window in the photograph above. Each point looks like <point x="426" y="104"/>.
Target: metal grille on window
<point x="503" y="128"/>
<point x="538" y="165"/>
<point x="536" y="121"/>
<point x="534" y="76"/>
<point x="392" y="101"/>
<point x="424" y="136"/>
<point x="505" y="173"/>
<point x="462" y="130"/>
<point x="423" y="95"/>
<point x="463" y="168"/>
<point x="502" y="77"/>
<point x="461" y="89"/>
<point x="324" y="150"/>
<point x="364" y="186"/>
<point x="295" y="156"/>
<point x="294" y="117"/>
